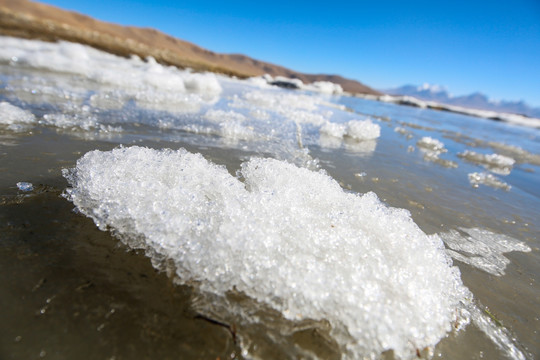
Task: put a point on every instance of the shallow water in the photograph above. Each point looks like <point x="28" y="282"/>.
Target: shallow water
<point x="76" y="291"/>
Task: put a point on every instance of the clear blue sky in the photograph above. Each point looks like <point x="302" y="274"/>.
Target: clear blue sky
<point x="467" y="46"/>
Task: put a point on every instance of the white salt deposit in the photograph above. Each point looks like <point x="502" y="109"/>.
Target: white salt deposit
<point x="482" y="249"/>
<point x="14" y="117"/>
<point x="476" y="179"/>
<point x="285" y="236"/>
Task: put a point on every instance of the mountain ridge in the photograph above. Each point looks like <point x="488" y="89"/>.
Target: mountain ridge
<point x="33" y="20"/>
<point x="475" y="100"/>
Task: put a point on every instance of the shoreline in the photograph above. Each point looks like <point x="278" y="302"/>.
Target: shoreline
<point x="514" y="119"/>
<point x="36" y="21"/>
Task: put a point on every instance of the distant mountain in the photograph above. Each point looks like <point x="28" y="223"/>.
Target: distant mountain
<point x="475" y="100"/>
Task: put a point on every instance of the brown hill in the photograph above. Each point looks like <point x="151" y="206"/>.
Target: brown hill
<point x="27" y="19"/>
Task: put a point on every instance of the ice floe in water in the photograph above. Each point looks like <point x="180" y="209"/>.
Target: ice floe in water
<point x="363" y="130"/>
<point x="285" y="236"/>
<point x="355" y="129"/>
<point x="496" y="163"/>
<point x="14" y="117"/>
<point x="432" y="145"/>
<point x="25" y="186"/>
<point x="482" y="249"/>
<point x="432" y="149"/>
<point x="476" y="179"/>
<point x="149" y="84"/>
<point x="357" y="136"/>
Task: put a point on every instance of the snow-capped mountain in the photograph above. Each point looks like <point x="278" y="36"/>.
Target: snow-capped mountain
<point x="475" y="100"/>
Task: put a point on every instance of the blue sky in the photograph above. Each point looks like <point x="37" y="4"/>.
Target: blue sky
<point x="466" y="46"/>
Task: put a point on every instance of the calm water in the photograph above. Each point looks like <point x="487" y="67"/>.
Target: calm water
<point x="70" y="290"/>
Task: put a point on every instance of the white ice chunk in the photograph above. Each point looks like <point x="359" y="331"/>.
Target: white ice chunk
<point x="431" y="144"/>
<point x="432" y="149"/>
<point x="333" y="129"/>
<point x="206" y="83"/>
<point x="354" y="129"/>
<point x="482" y="249"/>
<point x="25" y="186"/>
<point x="306" y="117"/>
<point x="363" y="130"/>
<point x="236" y="131"/>
<point x="219" y="116"/>
<point x="14" y="117"/>
<point x="401" y="130"/>
<point x="325" y="87"/>
<point x="476" y="179"/>
<point x="496" y="163"/>
<point x="286" y="236"/>
<point x="147" y="80"/>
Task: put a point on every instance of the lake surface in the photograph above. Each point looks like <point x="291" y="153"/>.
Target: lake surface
<point x="241" y="220"/>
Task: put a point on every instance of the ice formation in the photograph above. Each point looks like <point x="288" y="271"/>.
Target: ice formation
<point x="25" y="186"/>
<point x="14" y="117"/>
<point x="333" y="129"/>
<point x="323" y="87"/>
<point x="517" y="119"/>
<point x="496" y="163"/>
<point x="363" y="130"/>
<point x="145" y="81"/>
<point x="432" y="149"/>
<point x="482" y="249"/>
<point x="401" y="130"/>
<point x="326" y="87"/>
<point x="476" y="179"/>
<point x="431" y="144"/>
<point x="285" y="236"/>
<point x="220" y="116"/>
<point x="355" y="129"/>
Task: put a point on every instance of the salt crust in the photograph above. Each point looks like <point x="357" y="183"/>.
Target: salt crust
<point x="285" y="236"/>
<point x="482" y="248"/>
